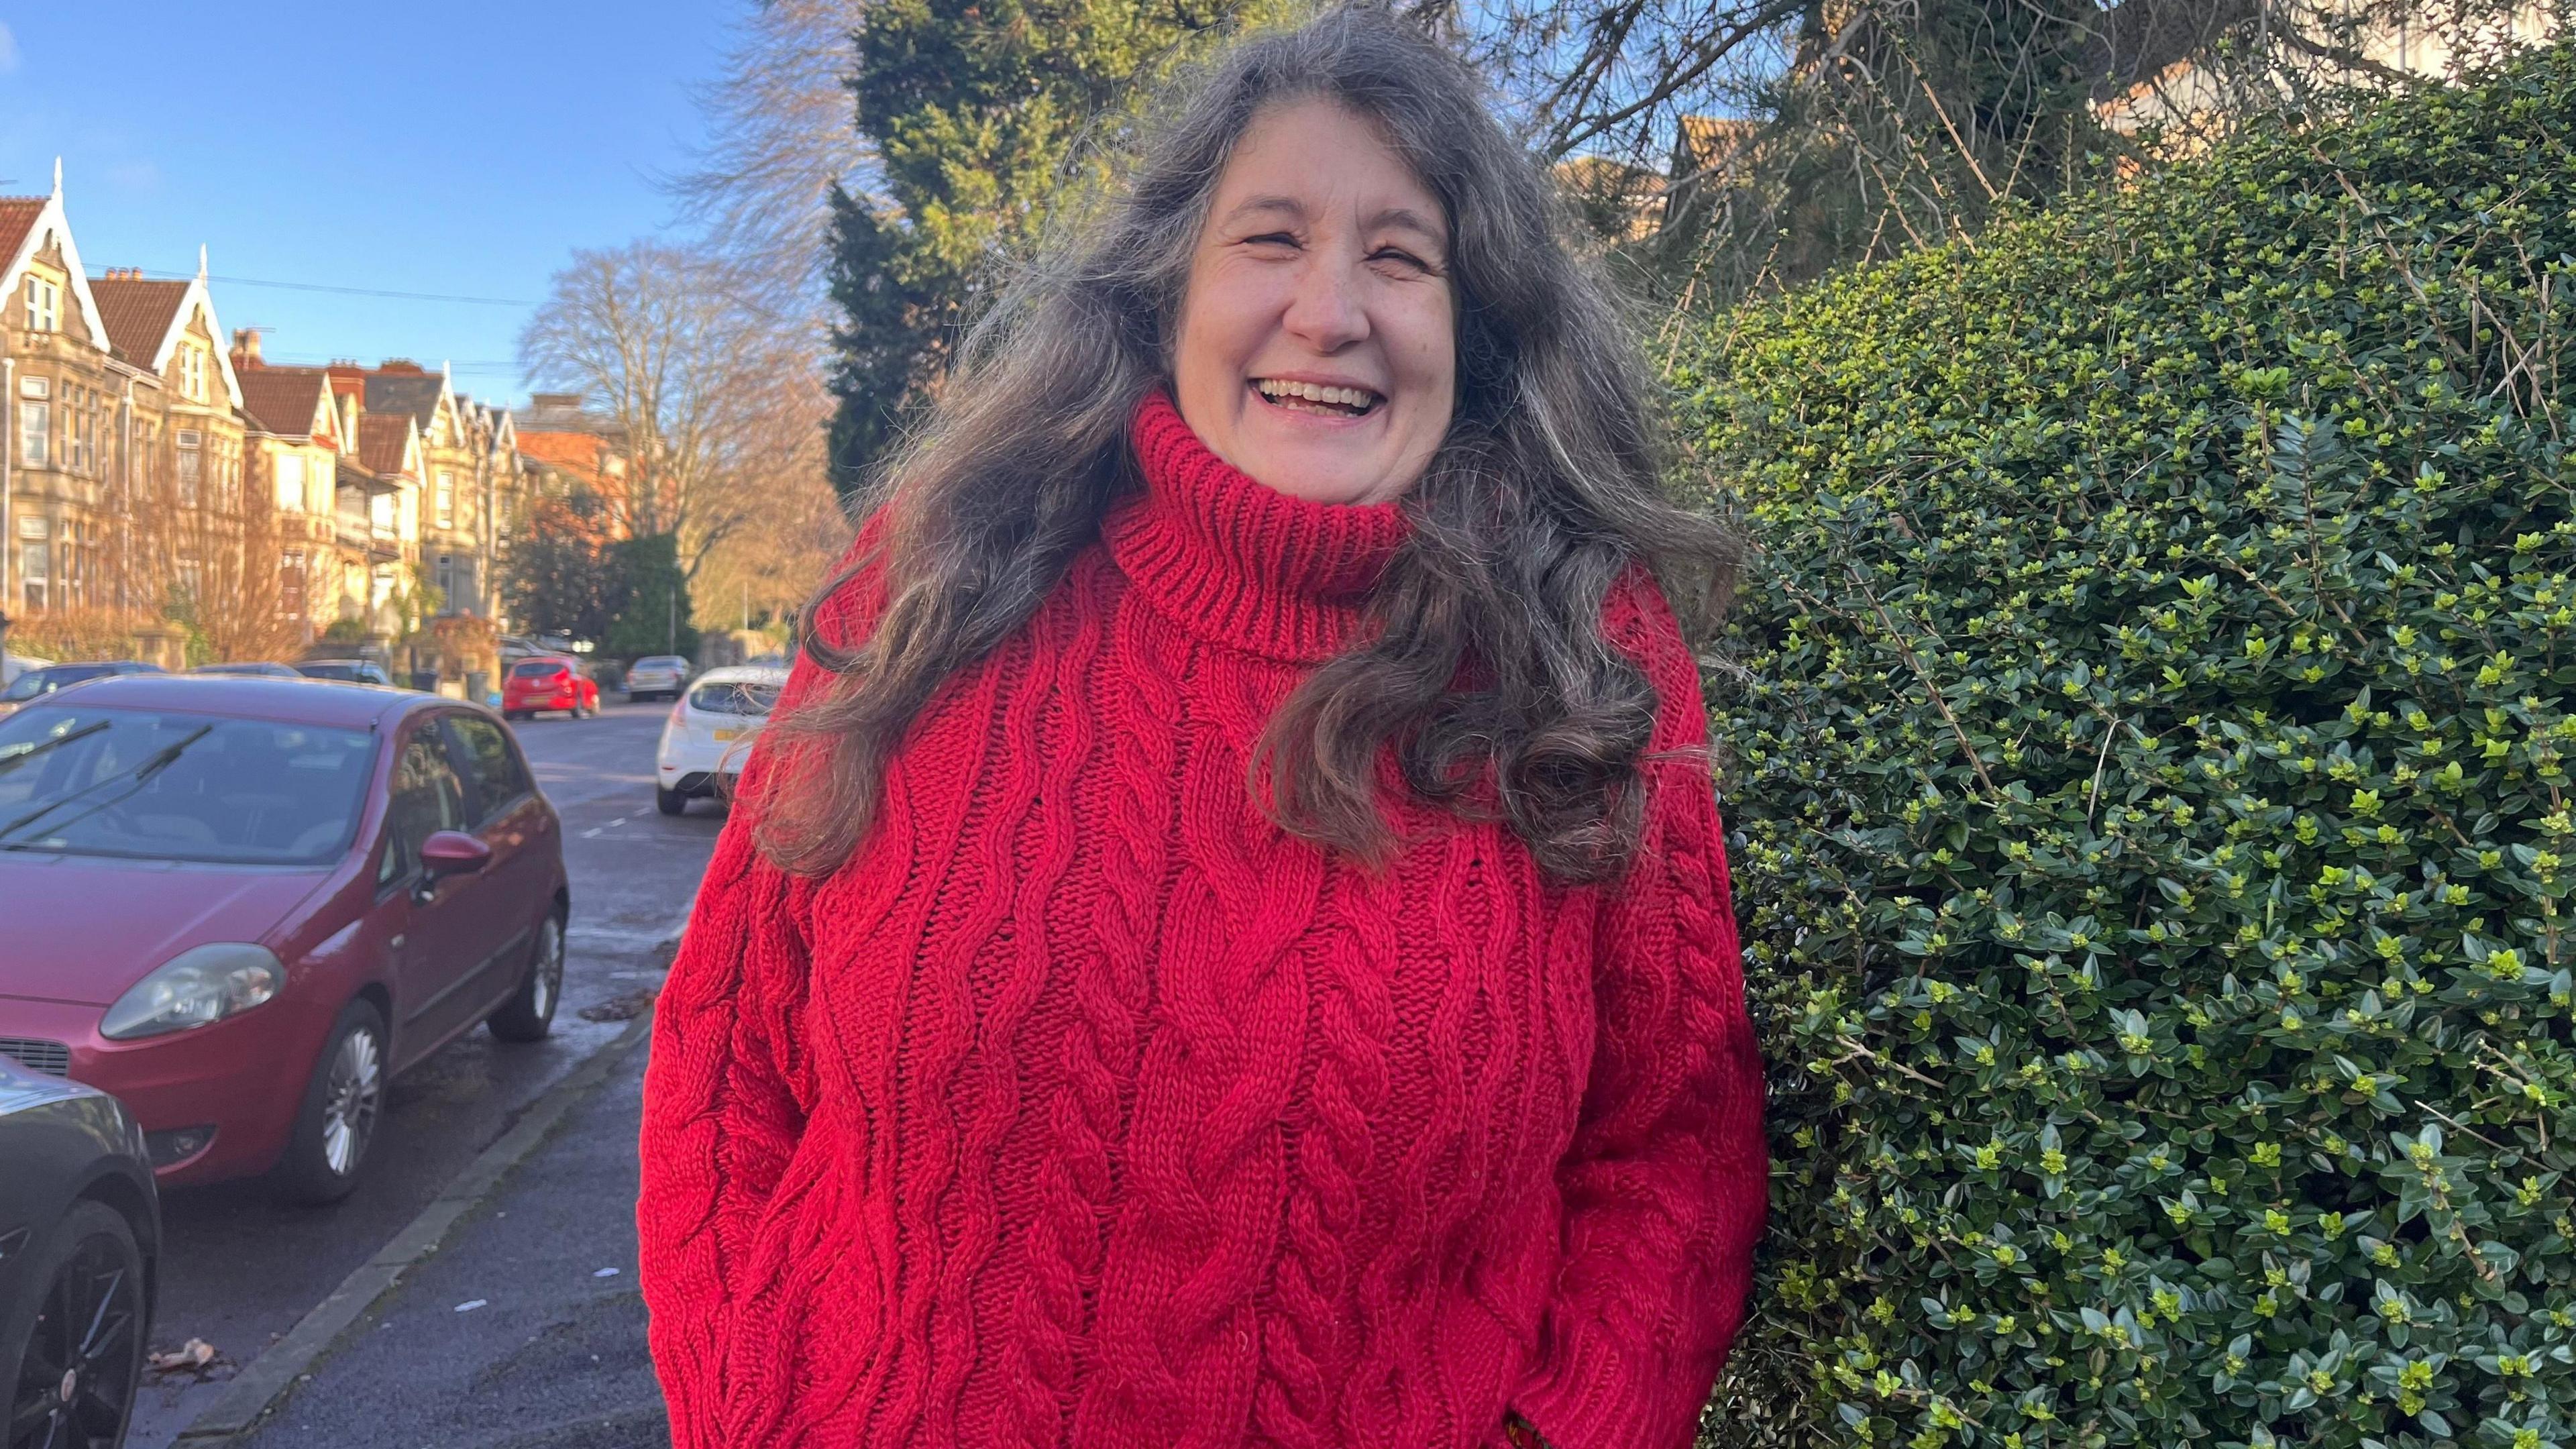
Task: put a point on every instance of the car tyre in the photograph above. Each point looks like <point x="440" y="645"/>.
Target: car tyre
<point x="529" y="1014"/>
<point x="670" y="802"/>
<point x="82" y="1322"/>
<point x="343" y="1109"/>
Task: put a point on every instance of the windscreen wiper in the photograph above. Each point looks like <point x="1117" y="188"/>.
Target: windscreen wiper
<point x="141" y="775"/>
<point x="13" y="760"/>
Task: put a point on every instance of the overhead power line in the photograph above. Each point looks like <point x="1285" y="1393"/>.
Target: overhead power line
<point x="342" y="291"/>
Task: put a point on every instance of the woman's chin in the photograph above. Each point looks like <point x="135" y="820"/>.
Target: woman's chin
<point x="1326" y="480"/>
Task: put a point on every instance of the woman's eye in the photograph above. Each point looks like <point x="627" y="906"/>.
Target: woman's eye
<point x="1400" y="258"/>
<point x="1270" y="239"/>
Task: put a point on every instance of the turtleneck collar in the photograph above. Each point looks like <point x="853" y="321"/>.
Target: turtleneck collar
<point x="1241" y="563"/>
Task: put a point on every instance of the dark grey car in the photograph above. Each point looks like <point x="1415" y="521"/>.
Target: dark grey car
<point x="80" y="1234"/>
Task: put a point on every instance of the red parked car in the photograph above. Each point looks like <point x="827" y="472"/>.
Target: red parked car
<point x="242" y="905"/>
<point x="548" y="681"/>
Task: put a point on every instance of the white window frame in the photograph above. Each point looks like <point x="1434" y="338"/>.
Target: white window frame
<point x="44" y="304"/>
<point x="190" y="475"/>
<point x="36" y="434"/>
<point x="192" y="373"/>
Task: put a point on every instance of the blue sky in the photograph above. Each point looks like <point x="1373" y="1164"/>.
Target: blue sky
<point x="462" y="148"/>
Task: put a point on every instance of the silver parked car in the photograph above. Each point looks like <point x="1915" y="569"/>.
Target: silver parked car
<point x="657" y="676"/>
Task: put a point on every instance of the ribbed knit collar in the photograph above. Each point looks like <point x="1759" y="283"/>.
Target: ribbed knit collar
<point x="1241" y="563"/>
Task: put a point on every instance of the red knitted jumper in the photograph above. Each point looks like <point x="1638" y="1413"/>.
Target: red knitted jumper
<point x="1084" y="1106"/>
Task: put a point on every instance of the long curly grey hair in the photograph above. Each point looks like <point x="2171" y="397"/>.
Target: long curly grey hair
<point x="1487" y="671"/>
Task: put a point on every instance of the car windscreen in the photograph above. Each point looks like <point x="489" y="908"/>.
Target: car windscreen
<point x="347" y="672"/>
<point x="734" y="697"/>
<point x="536" y="669"/>
<point x="44" y="681"/>
<point x="661" y="661"/>
<point x="151" y="785"/>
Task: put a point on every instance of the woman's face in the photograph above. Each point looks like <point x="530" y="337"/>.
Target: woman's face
<point x="1318" y="336"/>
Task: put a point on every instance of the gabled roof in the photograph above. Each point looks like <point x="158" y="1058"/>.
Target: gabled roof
<point x="388" y="444"/>
<point x="25" y="222"/>
<point x="18" y="217"/>
<point x="415" y="393"/>
<point x="146" y="318"/>
<point x="287" y="402"/>
<point x="139" y="314"/>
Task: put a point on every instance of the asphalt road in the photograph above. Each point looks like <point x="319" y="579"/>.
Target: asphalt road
<point x="239" y="1268"/>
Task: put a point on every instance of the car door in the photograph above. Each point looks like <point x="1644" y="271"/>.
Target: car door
<point x="441" y="952"/>
<point x="507" y="816"/>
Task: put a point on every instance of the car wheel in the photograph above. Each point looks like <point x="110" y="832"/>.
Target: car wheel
<point x="670" y="802"/>
<point x="530" y="1012"/>
<point x="343" y="1104"/>
<point x="73" y="1348"/>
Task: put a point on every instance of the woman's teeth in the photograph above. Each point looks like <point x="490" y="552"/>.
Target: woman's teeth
<point x="1310" y="397"/>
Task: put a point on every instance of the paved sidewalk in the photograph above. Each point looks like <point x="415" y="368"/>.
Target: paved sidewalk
<point x="553" y="1358"/>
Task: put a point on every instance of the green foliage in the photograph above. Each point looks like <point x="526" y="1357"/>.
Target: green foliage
<point x="2148" y="735"/>
<point x="653" y="609"/>
<point x="974" y="110"/>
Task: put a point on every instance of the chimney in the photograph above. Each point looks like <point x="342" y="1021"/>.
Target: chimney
<point x="402" y="365"/>
<point x="246" y="349"/>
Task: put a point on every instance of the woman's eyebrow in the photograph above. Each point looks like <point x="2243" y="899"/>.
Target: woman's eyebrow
<point x="1254" y="205"/>
<point x="1399" y="218"/>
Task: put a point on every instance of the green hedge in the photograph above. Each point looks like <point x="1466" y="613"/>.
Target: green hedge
<point x="2147" y="739"/>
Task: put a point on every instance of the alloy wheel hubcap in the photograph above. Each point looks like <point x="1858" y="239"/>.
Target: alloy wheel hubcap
<point x="350" y="1117"/>
<point x="80" y="1352"/>
<point x="549" y="969"/>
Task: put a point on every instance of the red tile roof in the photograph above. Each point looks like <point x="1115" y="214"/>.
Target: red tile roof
<point x="380" y="442"/>
<point x="17" y="217"/>
<point x="138" y="314"/>
<point x="281" y="400"/>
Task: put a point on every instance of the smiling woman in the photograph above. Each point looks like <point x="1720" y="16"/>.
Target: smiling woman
<point x="1318" y="338"/>
<point x="1228" y="940"/>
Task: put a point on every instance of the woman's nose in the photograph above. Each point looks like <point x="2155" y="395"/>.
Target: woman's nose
<point x="1327" y="312"/>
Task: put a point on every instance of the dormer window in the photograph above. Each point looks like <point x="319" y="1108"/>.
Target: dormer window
<point x="44" y="305"/>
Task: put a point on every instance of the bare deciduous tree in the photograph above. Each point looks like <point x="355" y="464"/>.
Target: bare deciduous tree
<point x="1739" y="143"/>
<point x="780" y="138"/>
<point x="699" y="385"/>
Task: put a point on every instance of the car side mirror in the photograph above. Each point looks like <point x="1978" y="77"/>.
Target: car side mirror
<point x="452" y="852"/>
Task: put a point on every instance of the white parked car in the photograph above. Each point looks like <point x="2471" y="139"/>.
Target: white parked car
<point x="710" y="731"/>
<point x="657" y="676"/>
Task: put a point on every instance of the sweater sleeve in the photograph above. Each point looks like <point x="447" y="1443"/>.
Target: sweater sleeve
<point x="1666" y="1181"/>
<point x="724" y="1091"/>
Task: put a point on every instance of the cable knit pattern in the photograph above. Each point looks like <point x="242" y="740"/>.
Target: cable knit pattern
<point x="1084" y="1106"/>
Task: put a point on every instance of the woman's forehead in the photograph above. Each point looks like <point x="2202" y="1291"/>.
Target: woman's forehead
<point x="1300" y="158"/>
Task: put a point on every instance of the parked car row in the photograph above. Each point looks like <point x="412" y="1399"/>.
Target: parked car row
<point x="36" y="683"/>
<point x="237" y="908"/>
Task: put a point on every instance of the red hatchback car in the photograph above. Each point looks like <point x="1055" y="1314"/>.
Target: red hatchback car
<point x="548" y="681"/>
<point x="242" y="905"/>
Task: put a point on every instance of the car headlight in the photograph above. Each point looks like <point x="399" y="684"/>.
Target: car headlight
<point x="198" y="986"/>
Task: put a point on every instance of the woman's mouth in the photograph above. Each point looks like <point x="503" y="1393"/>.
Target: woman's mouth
<point x="1318" y="399"/>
